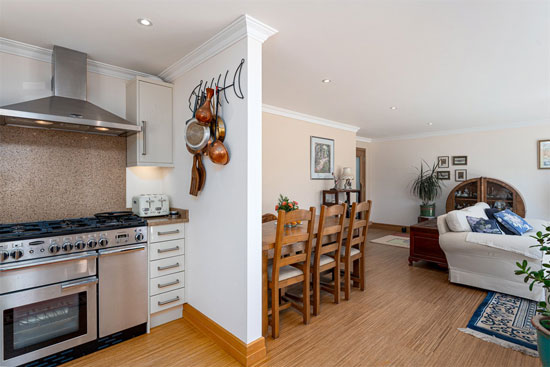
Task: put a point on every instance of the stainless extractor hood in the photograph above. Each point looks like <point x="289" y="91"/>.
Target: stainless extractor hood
<point x="67" y="109"/>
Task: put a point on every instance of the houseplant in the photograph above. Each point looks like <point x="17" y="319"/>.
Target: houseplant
<point x="287" y="205"/>
<point x="427" y="187"/>
<point x="542" y="276"/>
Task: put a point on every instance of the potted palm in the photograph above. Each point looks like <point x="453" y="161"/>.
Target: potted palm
<point x="541" y="322"/>
<point x="427" y="187"/>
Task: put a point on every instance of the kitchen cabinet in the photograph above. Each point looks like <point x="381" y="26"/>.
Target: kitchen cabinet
<point x="166" y="272"/>
<point x="149" y="104"/>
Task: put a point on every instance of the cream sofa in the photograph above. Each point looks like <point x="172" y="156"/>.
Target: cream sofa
<point x="488" y="261"/>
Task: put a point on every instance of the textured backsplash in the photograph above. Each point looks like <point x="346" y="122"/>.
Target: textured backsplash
<point x="55" y="174"/>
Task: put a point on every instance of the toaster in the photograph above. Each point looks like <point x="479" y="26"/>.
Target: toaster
<point x="150" y="205"/>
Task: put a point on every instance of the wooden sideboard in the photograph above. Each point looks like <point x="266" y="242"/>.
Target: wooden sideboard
<point x="425" y="243"/>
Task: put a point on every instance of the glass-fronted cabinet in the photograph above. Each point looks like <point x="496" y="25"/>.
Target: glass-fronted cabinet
<point x="496" y="193"/>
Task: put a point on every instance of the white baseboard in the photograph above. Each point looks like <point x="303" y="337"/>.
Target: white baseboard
<point x="165" y="316"/>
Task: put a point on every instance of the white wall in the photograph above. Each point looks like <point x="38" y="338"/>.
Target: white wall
<point x="223" y="240"/>
<point x="286" y="160"/>
<point x="509" y="155"/>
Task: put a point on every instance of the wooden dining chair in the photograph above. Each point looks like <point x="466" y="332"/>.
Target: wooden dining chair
<point x="353" y="252"/>
<point x="268" y="217"/>
<point x="293" y="268"/>
<point x="327" y="250"/>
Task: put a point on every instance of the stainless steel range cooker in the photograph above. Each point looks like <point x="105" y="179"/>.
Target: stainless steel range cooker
<point x="70" y="287"/>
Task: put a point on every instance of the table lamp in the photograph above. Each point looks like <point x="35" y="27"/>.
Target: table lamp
<point x="347" y="174"/>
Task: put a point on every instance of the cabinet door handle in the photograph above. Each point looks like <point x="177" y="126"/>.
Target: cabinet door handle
<point x="163" y="250"/>
<point x="144" y="130"/>
<point x="175" y="231"/>
<point x="168" y="266"/>
<point x="162" y="303"/>
<point x="177" y="281"/>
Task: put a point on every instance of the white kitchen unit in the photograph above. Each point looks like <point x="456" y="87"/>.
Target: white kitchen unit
<point x="149" y="104"/>
<point x="166" y="272"/>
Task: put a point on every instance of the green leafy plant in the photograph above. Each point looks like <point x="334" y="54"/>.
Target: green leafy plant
<point x="286" y="204"/>
<point x="541" y="276"/>
<point x="426" y="186"/>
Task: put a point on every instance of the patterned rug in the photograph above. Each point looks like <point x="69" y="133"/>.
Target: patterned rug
<point x="398" y="239"/>
<point x="505" y="320"/>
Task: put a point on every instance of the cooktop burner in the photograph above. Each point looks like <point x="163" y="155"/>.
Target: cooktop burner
<point x="69" y="226"/>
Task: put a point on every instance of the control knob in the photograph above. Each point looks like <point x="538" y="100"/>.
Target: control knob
<point x="92" y="243"/>
<point x="67" y="246"/>
<point x="80" y="245"/>
<point x="4" y="255"/>
<point x="139" y="236"/>
<point x="103" y="242"/>
<point x="54" y="248"/>
<point x="16" y="254"/>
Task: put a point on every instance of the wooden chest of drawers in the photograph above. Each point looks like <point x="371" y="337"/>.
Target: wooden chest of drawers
<point x="425" y="243"/>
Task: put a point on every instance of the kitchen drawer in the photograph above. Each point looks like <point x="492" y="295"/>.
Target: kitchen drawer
<point x="166" y="283"/>
<point x="166" y="232"/>
<point x="166" y="266"/>
<point x="167" y="300"/>
<point x="161" y="250"/>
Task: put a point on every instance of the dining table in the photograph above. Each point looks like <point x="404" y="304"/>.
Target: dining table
<point x="269" y="231"/>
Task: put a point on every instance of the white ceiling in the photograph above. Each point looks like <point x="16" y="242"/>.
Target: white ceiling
<point x="455" y="64"/>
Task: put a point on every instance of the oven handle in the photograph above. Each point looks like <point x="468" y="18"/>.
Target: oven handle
<point x="79" y="282"/>
<point x="33" y="263"/>
<point x="121" y="250"/>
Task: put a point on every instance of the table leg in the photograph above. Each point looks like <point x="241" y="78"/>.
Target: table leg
<point x="264" y="293"/>
<point x="355" y="272"/>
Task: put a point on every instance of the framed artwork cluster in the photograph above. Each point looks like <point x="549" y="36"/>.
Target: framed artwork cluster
<point x="457" y="160"/>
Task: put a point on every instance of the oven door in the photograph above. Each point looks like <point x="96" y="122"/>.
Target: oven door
<point x="43" y="321"/>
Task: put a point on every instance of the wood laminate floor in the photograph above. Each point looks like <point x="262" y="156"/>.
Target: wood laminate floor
<point x="407" y="316"/>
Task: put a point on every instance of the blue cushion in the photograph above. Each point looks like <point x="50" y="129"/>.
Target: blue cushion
<point x="490" y="213"/>
<point x="513" y="222"/>
<point x="484" y="225"/>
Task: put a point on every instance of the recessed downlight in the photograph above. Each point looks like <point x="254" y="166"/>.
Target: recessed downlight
<point x="429" y="123"/>
<point x="144" y="21"/>
<point x="102" y="128"/>
<point x="393" y="108"/>
<point x="44" y="122"/>
<point x="326" y="80"/>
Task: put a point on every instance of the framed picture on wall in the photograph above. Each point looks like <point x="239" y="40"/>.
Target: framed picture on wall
<point x="443" y="161"/>
<point x="460" y="160"/>
<point x="443" y="175"/>
<point x="460" y="175"/>
<point x="321" y="158"/>
<point x="544" y="154"/>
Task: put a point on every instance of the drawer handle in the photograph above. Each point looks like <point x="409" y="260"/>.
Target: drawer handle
<point x="162" y="303"/>
<point x="163" y="250"/>
<point x="177" y="281"/>
<point x="175" y="231"/>
<point x="168" y="266"/>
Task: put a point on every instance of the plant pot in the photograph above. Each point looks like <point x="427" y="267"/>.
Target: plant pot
<point x="543" y="339"/>
<point x="427" y="210"/>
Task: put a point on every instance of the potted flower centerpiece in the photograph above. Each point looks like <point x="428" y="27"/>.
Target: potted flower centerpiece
<point x="541" y="276"/>
<point x="427" y="187"/>
<point x="287" y="205"/>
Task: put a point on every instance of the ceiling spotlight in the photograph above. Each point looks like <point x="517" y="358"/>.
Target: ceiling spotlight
<point x="393" y="108"/>
<point x="44" y="122"/>
<point x="430" y="123"/>
<point x="326" y="80"/>
<point x="102" y="128"/>
<point x="144" y="21"/>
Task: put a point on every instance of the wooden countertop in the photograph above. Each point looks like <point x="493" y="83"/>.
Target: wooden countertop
<point x="161" y="221"/>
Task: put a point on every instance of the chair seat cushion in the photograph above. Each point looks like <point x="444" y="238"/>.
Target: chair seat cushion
<point x="323" y="260"/>
<point x="285" y="272"/>
<point x="354" y="251"/>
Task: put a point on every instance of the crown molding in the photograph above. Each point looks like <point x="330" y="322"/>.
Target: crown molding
<point x="463" y="131"/>
<point x="308" y="118"/>
<point x="43" y="54"/>
<point x="240" y="28"/>
<point x="363" y="139"/>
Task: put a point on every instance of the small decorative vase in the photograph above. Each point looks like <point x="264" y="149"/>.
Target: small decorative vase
<point x="427" y="210"/>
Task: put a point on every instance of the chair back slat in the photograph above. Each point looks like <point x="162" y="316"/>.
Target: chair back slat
<point x="331" y="222"/>
<point x="358" y="226"/>
<point x="290" y="236"/>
